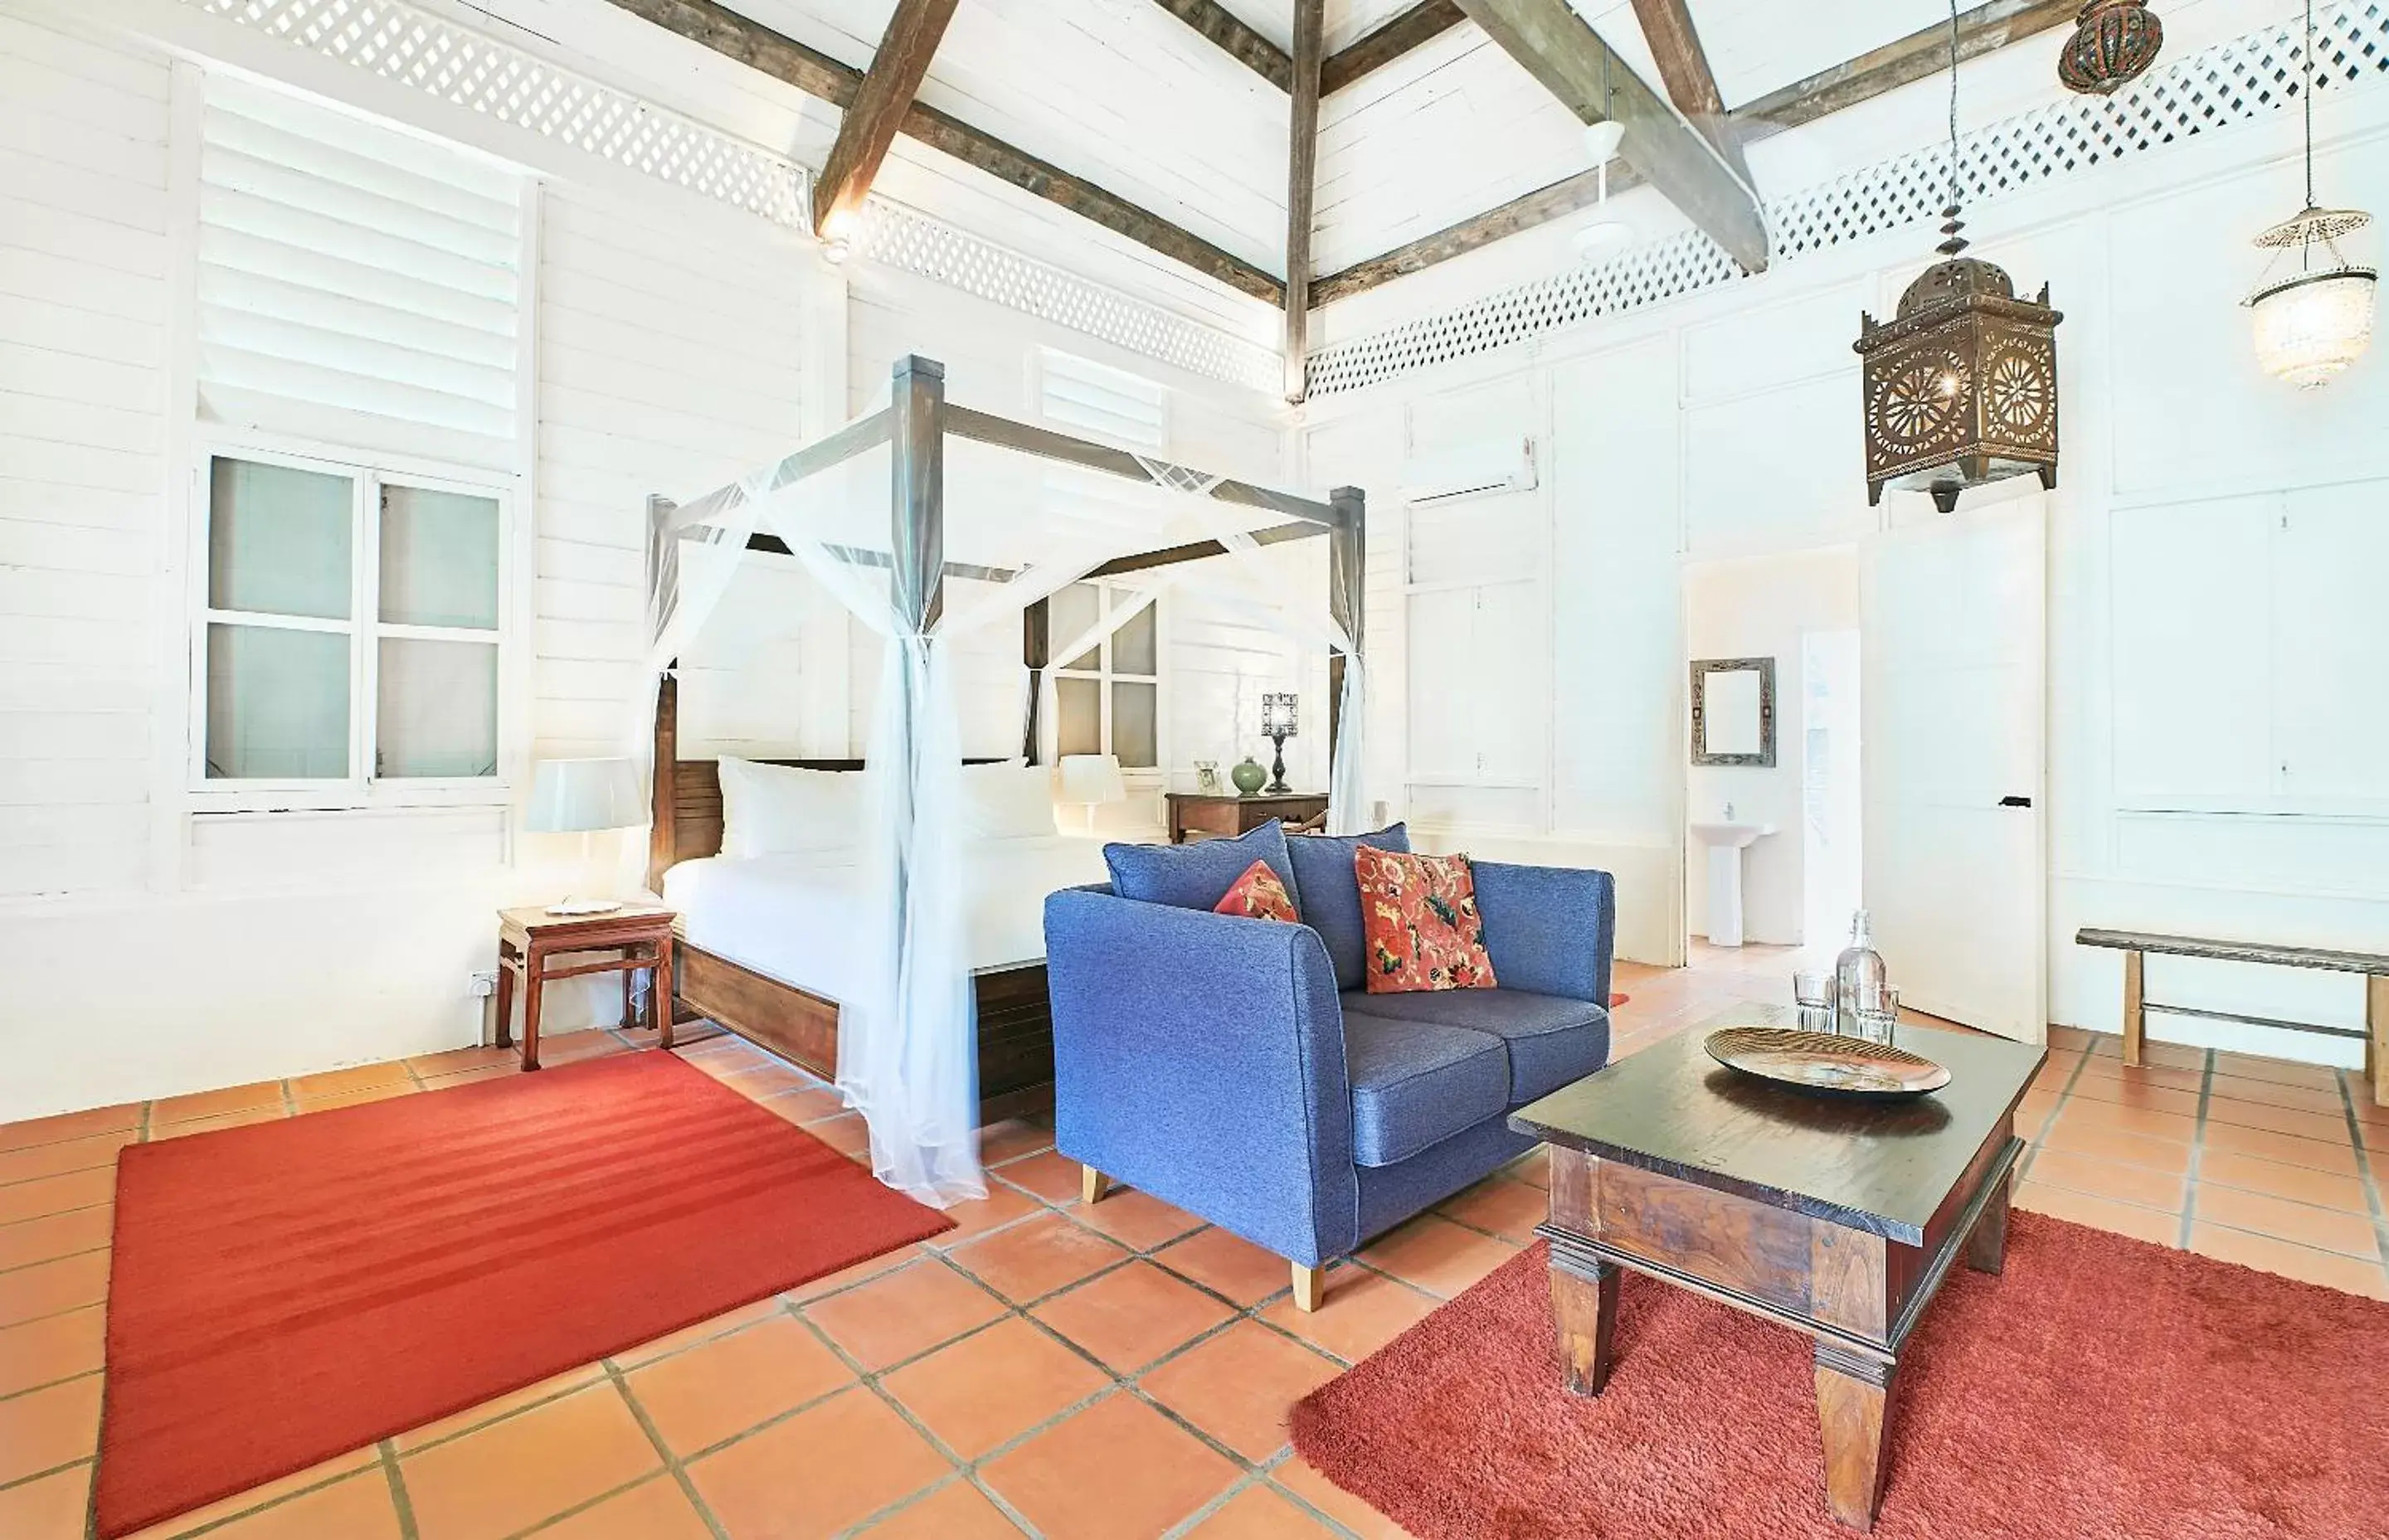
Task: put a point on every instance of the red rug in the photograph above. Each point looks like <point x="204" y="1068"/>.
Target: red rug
<point x="288" y="1292"/>
<point x="2099" y="1388"/>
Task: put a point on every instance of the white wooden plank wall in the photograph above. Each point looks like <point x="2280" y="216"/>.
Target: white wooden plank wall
<point x="84" y="311"/>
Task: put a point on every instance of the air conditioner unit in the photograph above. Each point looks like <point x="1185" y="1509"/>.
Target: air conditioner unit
<point x="1473" y="470"/>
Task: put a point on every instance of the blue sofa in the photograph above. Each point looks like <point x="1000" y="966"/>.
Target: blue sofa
<point x="1238" y="1069"/>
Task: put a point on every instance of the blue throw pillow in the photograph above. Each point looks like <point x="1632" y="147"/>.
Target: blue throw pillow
<point x="1331" y="894"/>
<point x="1198" y="876"/>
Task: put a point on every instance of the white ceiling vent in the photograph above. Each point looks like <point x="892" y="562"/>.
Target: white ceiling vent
<point x="1472" y="470"/>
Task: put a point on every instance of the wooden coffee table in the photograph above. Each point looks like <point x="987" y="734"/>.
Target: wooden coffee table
<point x="1836" y="1218"/>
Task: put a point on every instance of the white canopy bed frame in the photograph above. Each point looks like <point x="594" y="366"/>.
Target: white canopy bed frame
<point x="1014" y="1028"/>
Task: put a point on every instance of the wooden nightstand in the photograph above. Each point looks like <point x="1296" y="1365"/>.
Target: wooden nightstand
<point x="1198" y="813"/>
<point x="529" y="937"/>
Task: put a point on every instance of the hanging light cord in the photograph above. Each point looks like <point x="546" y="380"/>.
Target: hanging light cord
<point x="2308" y="95"/>
<point x="1953" y="242"/>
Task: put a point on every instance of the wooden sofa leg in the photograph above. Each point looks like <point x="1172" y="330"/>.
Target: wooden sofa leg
<point x="1309" y="1286"/>
<point x="1093" y="1186"/>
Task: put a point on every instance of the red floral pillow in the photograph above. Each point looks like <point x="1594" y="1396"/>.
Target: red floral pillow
<point x="1419" y="915"/>
<point x="1259" y="895"/>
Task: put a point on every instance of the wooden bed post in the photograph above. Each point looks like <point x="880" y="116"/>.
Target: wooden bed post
<point x="1347" y="553"/>
<point x="917" y="520"/>
<point x="1035" y="651"/>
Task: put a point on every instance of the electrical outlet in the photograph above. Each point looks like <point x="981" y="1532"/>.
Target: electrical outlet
<point x="483" y="985"/>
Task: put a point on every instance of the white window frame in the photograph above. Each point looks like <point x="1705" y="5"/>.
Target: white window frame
<point x="362" y="787"/>
<point x="1104" y="674"/>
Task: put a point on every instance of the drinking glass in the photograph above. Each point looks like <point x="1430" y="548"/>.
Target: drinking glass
<point x="1883" y="1026"/>
<point x="1813" y="993"/>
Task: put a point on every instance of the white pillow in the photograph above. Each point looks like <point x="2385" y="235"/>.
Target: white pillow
<point x="772" y="809"/>
<point x="1007" y="801"/>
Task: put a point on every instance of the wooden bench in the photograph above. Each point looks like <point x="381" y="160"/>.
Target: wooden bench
<point x="2374" y="966"/>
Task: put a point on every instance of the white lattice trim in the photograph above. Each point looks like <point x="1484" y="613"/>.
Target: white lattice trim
<point x="2232" y="82"/>
<point x="460" y="66"/>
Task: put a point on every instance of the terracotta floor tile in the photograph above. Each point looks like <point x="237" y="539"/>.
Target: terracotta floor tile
<point x="1331" y="1499"/>
<point x="56" y="1235"/>
<point x="55" y="1347"/>
<point x="1119" y="1471"/>
<point x="2289" y="1149"/>
<point x="2281" y="1072"/>
<point x="51" y="1508"/>
<point x="1011" y="1139"/>
<point x="847" y="1278"/>
<point x="357" y="1508"/>
<point x="2057" y="1071"/>
<point x="773" y="1077"/>
<point x="2074" y="1037"/>
<point x="233" y="1099"/>
<point x="847" y="1133"/>
<point x="2087" y="1137"/>
<point x="1001" y="1206"/>
<point x="2137" y="1094"/>
<point x="1132" y="1315"/>
<point x="654" y="1509"/>
<point x="808" y="1104"/>
<point x="2326" y="1229"/>
<point x="1049" y="1176"/>
<point x="2112" y="1078"/>
<point x="455" y="1061"/>
<point x="1361" y="1313"/>
<point x="191" y="1126"/>
<point x="956" y="1511"/>
<point x="823" y="1470"/>
<point x="2080" y="1112"/>
<point x="890" y="1320"/>
<point x="71" y="1155"/>
<point x="2328" y="1126"/>
<point x="359" y="1096"/>
<point x="993" y="1386"/>
<point x="571" y="1047"/>
<point x="2129" y="1184"/>
<point x="1534" y="1168"/>
<point x="271" y="1492"/>
<point x="2303" y="1263"/>
<point x="348" y="1082"/>
<point x="1507" y="1208"/>
<point x="1437" y="1254"/>
<point x="1259" y="1513"/>
<point x="528" y="1467"/>
<point x="46" y="1428"/>
<point x="2368" y="1112"/>
<point x="1240" y="1386"/>
<point x="1137" y="1219"/>
<point x="2032" y="1114"/>
<point x="47" y="1288"/>
<point x="497" y="1407"/>
<point x="2141" y="1224"/>
<point x="2305" y="1098"/>
<point x="1228" y="1265"/>
<point x="31" y="1200"/>
<point x="1031" y="1259"/>
<point x="468" y="1076"/>
<point x="67" y="1125"/>
<point x="2106" y="1058"/>
<point x="2325" y="1189"/>
<point x="697" y="1398"/>
<point x="703" y="1331"/>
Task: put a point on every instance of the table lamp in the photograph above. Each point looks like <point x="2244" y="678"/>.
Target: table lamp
<point x="1090" y="779"/>
<point x="1278" y="724"/>
<point x="581" y="797"/>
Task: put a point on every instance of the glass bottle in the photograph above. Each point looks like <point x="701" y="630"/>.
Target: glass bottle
<point x="1859" y="978"/>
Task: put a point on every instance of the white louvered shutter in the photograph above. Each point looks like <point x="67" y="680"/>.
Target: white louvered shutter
<point x="357" y="286"/>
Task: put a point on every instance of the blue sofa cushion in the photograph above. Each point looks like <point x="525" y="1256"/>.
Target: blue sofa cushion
<point x="1198" y="876"/>
<point x="1331" y="894"/>
<point x="1552" y="1040"/>
<point x="1415" y="1084"/>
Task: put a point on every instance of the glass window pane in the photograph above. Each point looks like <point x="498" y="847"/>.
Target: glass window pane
<point x="1080" y="728"/>
<point x="1136" y="715"/>
<point x="439" y="710"/>
<point x="1136" y="646"/>
<point x="279" y="540"/>
<point x="277" y="704"/>
<point x="1070" y="611"/>
<point x="438" y="558"/>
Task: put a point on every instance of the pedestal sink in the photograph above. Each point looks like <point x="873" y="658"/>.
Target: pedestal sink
<point x="1726" y="843"/>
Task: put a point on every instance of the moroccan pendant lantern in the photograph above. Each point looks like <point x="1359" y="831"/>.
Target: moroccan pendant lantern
<point x="1960" y="386"/>
<point x="2313" y="309"/>
<point x="2113" y="43"/>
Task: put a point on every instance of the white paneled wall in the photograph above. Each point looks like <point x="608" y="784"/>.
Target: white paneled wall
<point x="86" y="258"/>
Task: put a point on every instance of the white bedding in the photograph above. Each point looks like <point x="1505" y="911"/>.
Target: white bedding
<point x="790" y="917"/>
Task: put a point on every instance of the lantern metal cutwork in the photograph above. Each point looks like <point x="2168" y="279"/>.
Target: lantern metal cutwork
<point x="2113" y="43"/>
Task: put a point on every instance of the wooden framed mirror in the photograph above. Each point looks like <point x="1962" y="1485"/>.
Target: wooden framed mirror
<point x="1733" y="711"/>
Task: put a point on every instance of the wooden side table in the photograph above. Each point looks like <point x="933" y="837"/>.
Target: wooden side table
<point x="529" y="937"/>
<point x="1200" y="813"/>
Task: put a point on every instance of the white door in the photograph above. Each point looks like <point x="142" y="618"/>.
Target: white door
<point x="1954" y="614"/>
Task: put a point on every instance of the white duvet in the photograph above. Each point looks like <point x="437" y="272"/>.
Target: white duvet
<point x="791" y="917"/>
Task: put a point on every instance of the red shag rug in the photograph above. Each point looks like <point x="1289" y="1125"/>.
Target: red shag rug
<point x="2102" y="1388"/>
<point x="288" y="1292"/>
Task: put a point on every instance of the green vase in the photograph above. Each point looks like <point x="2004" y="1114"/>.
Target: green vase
<point x="1248" y="777"/>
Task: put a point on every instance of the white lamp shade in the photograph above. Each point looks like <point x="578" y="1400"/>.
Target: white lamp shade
<point x="1601" y="139"/>
<point x="1092" y="777"/>
<point x="571" y="796"/>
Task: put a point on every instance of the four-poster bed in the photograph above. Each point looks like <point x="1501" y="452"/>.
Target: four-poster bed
<point x="1014" y="1038"/>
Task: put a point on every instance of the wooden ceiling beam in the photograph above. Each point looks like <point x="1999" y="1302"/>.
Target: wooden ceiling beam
<point x="1684" y="70"/>
<point x="1422" y="23"/>
<point x="1983" y="29"/>
<point x="1301" y="189"/>
<point x="1227" y="31"/>
<point x="785" y="59"/>
<point x="877" y="112"/>
<point x="1555" y="46"/>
